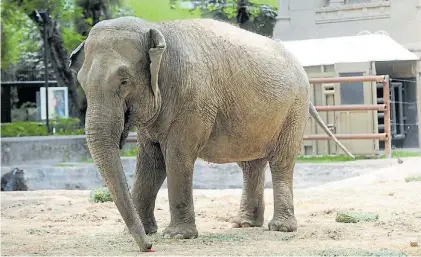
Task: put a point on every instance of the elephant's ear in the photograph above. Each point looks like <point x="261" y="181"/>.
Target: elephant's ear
<point x="76" y="58"/>
<point x="158" y="46"/>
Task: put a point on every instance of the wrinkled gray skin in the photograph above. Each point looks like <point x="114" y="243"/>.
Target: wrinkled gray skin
<point x="194" y="89"/>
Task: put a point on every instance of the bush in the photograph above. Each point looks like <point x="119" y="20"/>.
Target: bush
<point x="68" y="126"/>
<point x="354" y="217"/>
<point x="413" y="178"/>
<point x="101" y="195"/>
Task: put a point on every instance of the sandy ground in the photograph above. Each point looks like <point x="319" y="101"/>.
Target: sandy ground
<point x="67" y="223"/>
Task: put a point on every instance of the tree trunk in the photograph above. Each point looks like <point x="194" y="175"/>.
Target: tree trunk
<point x="243" y="15"/>
<point x="90" y="10"/>
<point x="59" y="59"/>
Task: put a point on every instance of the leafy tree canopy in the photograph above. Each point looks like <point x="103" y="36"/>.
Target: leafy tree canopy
<point x="21" y="36"/>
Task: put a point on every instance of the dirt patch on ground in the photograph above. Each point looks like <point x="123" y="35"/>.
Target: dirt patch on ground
<point x="67" y="223"/>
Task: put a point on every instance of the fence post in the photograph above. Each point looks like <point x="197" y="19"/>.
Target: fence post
<point x="43" y="18"/>
<point x="387" y="128"/>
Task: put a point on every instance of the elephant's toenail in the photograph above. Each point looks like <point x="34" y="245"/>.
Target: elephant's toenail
<point x="235" y="225"/>
<point x="178" y="236"/>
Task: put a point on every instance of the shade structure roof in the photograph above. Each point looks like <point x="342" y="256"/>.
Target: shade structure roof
<point x="349" y="49"/>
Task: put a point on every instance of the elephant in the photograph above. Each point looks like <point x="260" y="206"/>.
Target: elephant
<point x="196" y="88"/>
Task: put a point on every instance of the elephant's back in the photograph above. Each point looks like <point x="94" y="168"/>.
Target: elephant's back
<point x="225" y="60"/>
<point x="221" y="33"/>
<point x="217" y="44"/>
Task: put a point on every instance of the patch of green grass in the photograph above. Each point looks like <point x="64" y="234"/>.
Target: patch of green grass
<point x="403" y="154"/>
<point x="357" y="252"/>
<point x="129" y="153"/>
<point x="88" y="160"/>
<point x="413" y="178"/>
<point x="328" y="158"/>
<point x="354" y="217"/>
<point x="64" y="165"/>
<point x="316" y="159"/>
<point x="101" y="195"/>
<point x="345" y="158"/>
<point x="68" y="126"/>
<point x="160" y="10"/>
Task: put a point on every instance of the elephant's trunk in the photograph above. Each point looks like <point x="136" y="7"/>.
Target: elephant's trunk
<point x="103" y="136"/>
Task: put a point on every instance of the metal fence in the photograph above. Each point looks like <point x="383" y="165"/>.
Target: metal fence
<point x="385" y="107"/>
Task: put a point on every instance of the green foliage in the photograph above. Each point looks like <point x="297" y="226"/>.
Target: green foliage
<point x="355" y="217"/>
<point x="345" y="158"/>
<point x="68" y="126"/>
<point x="130" y="152"/>
<point x="413" y="178"/>
<point x="25" y="128"/>
<point x="101" y="195"/>
<point x="328" y="158"/>
<point x="262" y="13"/>
<point x="403" y="154"/>
<point x="119" y="10"/>
<point x="71" y="38"/>
<point x="160" y="10"/>
<point x="17" y="36"/>
<point x="21" y="37"/>
<point x="64" y="165"/>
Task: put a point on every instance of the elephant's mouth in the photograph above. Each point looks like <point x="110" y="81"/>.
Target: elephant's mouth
<point x="127" y="126"/>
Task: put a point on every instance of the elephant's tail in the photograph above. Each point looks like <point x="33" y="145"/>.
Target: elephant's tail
<point x="319" y="121"/>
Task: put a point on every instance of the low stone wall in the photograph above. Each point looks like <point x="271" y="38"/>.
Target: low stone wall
<point x="45" y="150"/>
<point x="85" y="176"/>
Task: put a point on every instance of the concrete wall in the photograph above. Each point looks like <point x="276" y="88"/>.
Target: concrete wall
<point x="303" y="19"/>
<point x="45" y="149"/>
<point x="85" y="176"/>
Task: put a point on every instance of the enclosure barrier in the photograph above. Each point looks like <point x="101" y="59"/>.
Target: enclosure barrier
<point x="386" y="136"/>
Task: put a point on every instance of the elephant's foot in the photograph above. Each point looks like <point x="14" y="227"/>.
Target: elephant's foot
<point x="150" y="228"/>
<point x="181" y="231"/>
<point x="149" y="224"/>
<point x="243" y="221"/>
<point x="283" y="224"/>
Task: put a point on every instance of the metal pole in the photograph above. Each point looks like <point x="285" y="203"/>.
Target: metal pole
<point x="47" y="120"/>
<point x="387" y="128"/>
<point x="346" y="79"/>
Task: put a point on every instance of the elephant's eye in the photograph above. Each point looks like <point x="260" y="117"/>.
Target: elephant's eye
<point x="124" y="82"/>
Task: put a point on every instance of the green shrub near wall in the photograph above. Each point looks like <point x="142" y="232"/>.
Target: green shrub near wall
<point x="30" y="128"/>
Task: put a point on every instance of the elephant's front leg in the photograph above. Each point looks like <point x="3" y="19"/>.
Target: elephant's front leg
<point x="180" y="194"/>
<point x="252" y="207"/>
<point x="150" y="174"/>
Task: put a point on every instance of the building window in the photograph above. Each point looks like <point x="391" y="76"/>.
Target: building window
<point x="352" y="93"/>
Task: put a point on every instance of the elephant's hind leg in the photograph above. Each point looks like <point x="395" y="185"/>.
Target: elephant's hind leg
<point x="282" y="167"/>
<point x="252" y="206"/>
<point x="150" y="174"/>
